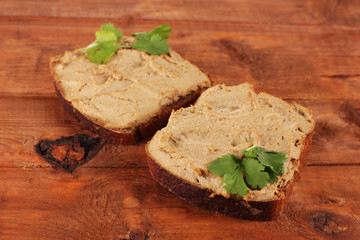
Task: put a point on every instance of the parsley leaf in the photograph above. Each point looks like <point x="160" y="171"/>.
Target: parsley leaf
<point x="235" y="182"/>
<point x="273" y="176"/>
<point x="255" y="170"/>
<point x="105" y="36"/>
<point x="153" y="42"/>
<point x="272" y="159"/>
<point x="101" y="52"/>
<point x="110" y="28"/>
<point x="254" y="173"/>
<point x="252" y="151"/>
<point x="164" y="31"/>
<point x="105" y="44"/>
<point x="108" y="41"/>
<point x="222" y="165"/>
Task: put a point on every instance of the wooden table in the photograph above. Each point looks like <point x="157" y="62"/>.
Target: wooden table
<point x="302" y="50"/>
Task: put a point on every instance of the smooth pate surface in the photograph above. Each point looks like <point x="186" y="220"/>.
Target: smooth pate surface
<point x="228" y="120"/>
<point x="130" y="89"/>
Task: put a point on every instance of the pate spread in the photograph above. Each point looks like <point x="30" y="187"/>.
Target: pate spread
<point x="228" y="120"/>
<point x="130" y="89"/>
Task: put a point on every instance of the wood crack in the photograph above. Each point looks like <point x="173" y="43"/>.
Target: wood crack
<point x="340" y="75"/>
<point x="331" y="164"/>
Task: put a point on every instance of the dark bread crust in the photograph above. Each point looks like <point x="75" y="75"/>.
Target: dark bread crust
<point x="126" y="136"/>
<point x="200" y="197"/>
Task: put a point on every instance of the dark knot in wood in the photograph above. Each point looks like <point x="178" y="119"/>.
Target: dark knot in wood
<point x="70" y="152"/>
<point x="137" y="234"/>
<point x="326" y="130"/>
<point x="350" y="114"/>
<point x="330" y="224"/>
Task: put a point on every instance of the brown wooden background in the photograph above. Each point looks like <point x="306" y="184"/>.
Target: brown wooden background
<point x="302" y="50"/>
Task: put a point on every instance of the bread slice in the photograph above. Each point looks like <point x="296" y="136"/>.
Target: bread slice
<point x="228" y="120"/>
<point x="131" y="96"/>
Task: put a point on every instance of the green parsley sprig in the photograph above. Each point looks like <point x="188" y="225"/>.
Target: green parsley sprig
<point x="108" y="41"/>
<point x="255" y="170"/>
<point x="154" y="42"/>
<point x="105" y="45"/>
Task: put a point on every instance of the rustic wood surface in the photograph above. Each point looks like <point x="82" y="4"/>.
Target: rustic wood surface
<point x="306" y="51"/>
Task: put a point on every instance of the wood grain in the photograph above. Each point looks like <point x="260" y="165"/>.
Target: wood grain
<point x="30" y="119"/>
<point x="303" y="50"/>
<point x="108" y="203"/>
<point x="302" y="59"/>
<point x="281" y="11"/>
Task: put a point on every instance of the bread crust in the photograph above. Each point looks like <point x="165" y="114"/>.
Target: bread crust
<point x="200" y="197"/>
<point x="126" y="136"/>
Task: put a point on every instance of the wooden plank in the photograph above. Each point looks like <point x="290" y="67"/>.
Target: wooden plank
<point x="279" y="11"/>
<point x="301" y="50"/>
<point x="109" y="203"/>
<point x="293" y="62"/>
<point x="25" y="121"/>
<point x="337" y="132"/>
<point x="28" y="120"/>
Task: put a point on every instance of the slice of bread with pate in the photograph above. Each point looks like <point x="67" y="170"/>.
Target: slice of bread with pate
<point x="131" y="96"/>
<point x="228" y="120"/>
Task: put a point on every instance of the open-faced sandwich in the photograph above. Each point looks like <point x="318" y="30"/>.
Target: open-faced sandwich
<point x="234" y="152"/>
<point x="124" y="88"/>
